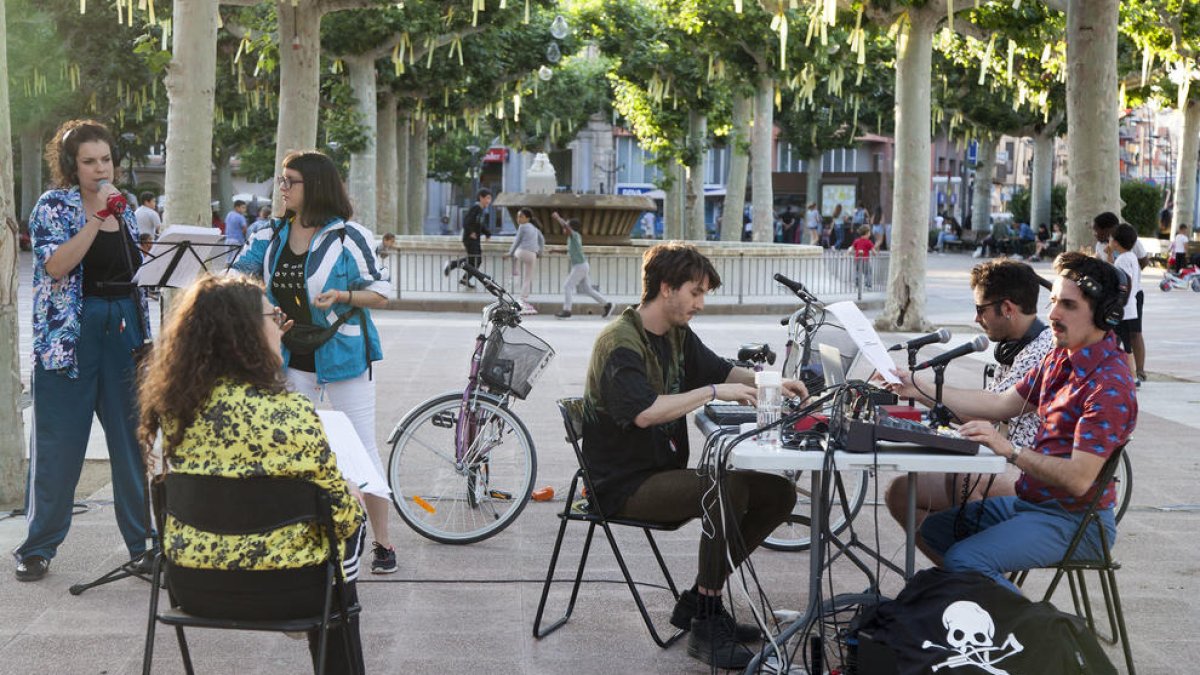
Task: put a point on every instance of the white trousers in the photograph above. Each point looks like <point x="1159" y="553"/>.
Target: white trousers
<point x="355" y="397"/>
<point x="578" y="280"/>
<point x="526" y="262"/>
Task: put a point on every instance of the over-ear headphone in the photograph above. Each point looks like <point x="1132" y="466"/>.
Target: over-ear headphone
<point x="1107" y="309"/>
<point x="66" y="160"/>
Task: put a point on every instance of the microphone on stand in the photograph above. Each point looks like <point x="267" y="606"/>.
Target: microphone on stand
<point x="979" y="344"/>
<point x="940" y="335"/>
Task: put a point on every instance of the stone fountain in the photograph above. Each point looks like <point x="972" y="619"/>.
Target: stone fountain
<point x="604" y="219"/>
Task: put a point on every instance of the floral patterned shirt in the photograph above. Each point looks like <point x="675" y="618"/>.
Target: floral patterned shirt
<point x="58" y="304"/>
<point x="1088" y="402"/>
<point x="242" y="432"/>
<point x="1022" y="429"/>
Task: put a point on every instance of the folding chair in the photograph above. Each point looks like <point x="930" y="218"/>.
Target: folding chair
<point x="1104" y="565"/>
<point x="238" y="506"/>
<point x="572" y="413"/>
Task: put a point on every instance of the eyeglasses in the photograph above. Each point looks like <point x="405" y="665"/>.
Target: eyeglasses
<point x="276" y="316"/>
<point x="287" y="183"/>
<point x="980" y="309"/>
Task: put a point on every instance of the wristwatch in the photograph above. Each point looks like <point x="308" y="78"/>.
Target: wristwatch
<point x="1016" y="452"/>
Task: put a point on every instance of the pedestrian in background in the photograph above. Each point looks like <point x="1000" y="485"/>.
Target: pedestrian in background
<point x="578" y="278"/>
<point x="148" y="220"/>
<point x="475" y="230"/>
<point x="525" y="249"/>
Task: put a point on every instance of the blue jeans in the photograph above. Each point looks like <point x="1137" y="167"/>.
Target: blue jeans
<point x="1013" y="535"/>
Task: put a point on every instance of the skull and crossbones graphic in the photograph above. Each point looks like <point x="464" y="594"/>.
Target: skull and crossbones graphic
<point x="970" y="634"/>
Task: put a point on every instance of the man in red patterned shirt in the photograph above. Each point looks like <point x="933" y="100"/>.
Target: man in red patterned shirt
<point x="1085" y="396"/>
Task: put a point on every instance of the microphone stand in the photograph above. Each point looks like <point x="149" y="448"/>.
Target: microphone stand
<point x="939" y="414"/>
<point x="912" y="364"/>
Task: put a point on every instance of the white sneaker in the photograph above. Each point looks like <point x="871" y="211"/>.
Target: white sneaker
<point x="527" y="308"/>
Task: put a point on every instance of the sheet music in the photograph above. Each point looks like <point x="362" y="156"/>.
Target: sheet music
<point x="205" y="243"/>
<point x="863" y="333"/>
<point x="352" y="459"/>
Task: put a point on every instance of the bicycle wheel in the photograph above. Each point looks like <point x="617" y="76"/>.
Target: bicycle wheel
<point x="463" y="501"/>
<point x="1124" y="480"/>
<point x="793" y="534"/>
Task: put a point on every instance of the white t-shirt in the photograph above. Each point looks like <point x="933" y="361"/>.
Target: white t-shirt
<point x="1127" y="262"/>
<point x="1180" y="243"/>
<point x="1138" y="251"/>
<point x="148" y="221"/>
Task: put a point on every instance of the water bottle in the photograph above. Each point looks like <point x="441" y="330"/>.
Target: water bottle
<point x="770" y="399"/>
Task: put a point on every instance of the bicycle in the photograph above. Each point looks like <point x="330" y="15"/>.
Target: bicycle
<point x="807" y="327"/>
<point x="463" y="465"/>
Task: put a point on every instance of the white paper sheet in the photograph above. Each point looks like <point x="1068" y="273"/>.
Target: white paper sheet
<point x="863" y="333"/>
<point x="352" y="459"/>
<point x="205" y="242"/>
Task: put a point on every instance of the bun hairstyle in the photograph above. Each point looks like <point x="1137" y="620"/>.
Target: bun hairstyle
<point x="63" y="148"/>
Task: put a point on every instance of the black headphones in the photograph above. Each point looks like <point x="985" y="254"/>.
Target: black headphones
<point x="1107" y="309"/>
<point x="66" y="160"/>
<point x="1006" y="350"/>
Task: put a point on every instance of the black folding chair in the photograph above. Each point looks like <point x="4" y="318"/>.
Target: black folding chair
<point x="1104" y="565"/>
<point x="572" y="413"/>
<point x="239" y="506"/>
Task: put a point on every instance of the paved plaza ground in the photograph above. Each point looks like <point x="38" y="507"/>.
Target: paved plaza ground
<point x="470" y="609"/>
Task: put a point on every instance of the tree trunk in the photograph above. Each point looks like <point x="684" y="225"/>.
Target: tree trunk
<point x="385" y="187"/>
<point x="1185" y="177"/>
<point x="418" y="175"/>
<point x="363" y="162"/>
<point x="12" y="432"/>
<point x="31" y="169"/>
<point x="224" y="182"/>
<point x="404" y="224"/>
<point x="1094" y="184"/>
<point x="673" y="205"/>
<point x="1040" y="206"/>
<point x="905" y="306"/>
<point x="985" y="170"/>
<point x="300" y="71"/>
<point x="761" y="194"/>
<point x="812" y="180"/>
<point x="190" y="81"/>
<point x="698" y="134"/>
<point x="739" y="164"/>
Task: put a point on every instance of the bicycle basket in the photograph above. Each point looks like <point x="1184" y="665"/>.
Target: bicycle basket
<point x="514" y="359"/>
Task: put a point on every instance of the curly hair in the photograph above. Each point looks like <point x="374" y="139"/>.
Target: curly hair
<point x="1006" y="279"/>
<point x="63" y="149"/>
<point x="214" y="333"/>
<point x="675" y="264"/>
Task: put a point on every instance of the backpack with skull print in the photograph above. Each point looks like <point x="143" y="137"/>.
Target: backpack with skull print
<point x="963" y="623"/>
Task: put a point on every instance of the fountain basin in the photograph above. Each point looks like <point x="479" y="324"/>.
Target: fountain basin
<point x="604" y="219"/>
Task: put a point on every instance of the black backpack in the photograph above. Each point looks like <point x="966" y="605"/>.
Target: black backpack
<point x="964" y="623"/>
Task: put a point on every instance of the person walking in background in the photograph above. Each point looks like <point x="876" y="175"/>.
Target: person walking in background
<point x="475" y="230"/>
<point x="1103" y="227"/>
<point x="525" y="249"/>
<point x="233" y="417"/>
<point x="235" y="227"/>
<point x="148" y="220"/>
<point x="864" y="248"/>
<point x="88" y="317"/>
<point x="1179" y="256"/>
<point x="264" y="220"/>
<point x="320" y="268"/>
<point x="1122" y="242"/>
<point x="578" y="278"/>
<point x="812" y="222"/>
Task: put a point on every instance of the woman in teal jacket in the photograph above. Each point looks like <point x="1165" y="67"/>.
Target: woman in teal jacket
<point x="319" y="267"/>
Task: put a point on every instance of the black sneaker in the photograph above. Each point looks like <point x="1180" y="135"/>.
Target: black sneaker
<point x="608" y="307"/>
<point x="711" y="641"/>
<point x="32" y="568"/>
<point x="687" y="607"/>
<point x="565" y="314"/>
<point x="385" y="560"/>
<point x="143" y="564"/>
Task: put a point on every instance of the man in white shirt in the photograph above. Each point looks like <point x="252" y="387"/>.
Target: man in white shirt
<point x="148" y="221"/>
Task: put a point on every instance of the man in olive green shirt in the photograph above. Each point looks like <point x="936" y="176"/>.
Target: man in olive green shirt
<point x="578" y="278"/>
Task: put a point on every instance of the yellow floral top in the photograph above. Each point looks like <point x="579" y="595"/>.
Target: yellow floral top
<point x="242" y="432"/>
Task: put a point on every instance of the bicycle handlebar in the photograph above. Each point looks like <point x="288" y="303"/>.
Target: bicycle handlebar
<point x="506" y="301"/>
<point x="797" y="288"/>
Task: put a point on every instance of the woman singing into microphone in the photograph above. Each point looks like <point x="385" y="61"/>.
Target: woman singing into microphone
<point x="86" y="324"/>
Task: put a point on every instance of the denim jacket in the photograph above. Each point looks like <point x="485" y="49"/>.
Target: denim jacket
<point x="58" y="305"/>
<point x="335" y="262"/>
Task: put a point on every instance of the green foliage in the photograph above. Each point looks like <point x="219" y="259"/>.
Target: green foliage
<point x="449" y="159"/>
<point x="1019" y="205"/>
<point x="1143" y="202"/>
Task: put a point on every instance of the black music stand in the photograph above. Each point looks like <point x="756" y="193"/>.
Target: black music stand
<point x="171" y="275"/>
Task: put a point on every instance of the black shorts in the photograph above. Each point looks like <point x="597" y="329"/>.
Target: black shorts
<point x="1124" y="331"/>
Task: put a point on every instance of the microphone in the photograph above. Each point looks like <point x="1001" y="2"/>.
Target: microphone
<point x="979" y="344"/>
<point x="115" y="203"/>
<point x="940" y="335"/>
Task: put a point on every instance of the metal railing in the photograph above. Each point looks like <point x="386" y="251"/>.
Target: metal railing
<point x="745" y="277"/>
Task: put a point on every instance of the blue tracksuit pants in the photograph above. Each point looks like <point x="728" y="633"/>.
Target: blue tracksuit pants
<point x="62" y="421"/>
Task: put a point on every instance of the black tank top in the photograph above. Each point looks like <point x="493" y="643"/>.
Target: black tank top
<point x="290" y="291"/>
<point x="107" y="270"/>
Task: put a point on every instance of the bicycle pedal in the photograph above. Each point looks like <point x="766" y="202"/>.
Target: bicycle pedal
<point x="500" y="494"/>
<point x="443" y="420"/>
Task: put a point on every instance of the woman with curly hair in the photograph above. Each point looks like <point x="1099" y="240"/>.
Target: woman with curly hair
<point x="88" y="318"/>
<point x="216" y="393"/>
